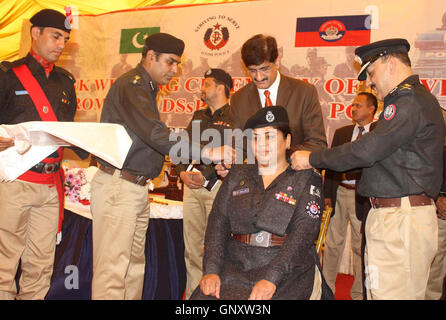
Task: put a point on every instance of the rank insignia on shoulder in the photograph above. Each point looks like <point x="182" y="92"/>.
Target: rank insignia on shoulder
<point x="406" y="86"/>
<point x="281" y="196"/>
<point x="239" y="192"/>
<point x="313" y="209"/>
<point x="389" y="112"/>
<point x="136" y="80"/>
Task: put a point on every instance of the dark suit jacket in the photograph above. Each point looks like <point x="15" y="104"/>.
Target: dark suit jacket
<point x="333" y="178"/>
<point x="302" y="103"/>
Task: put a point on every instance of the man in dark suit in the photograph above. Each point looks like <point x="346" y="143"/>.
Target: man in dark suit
<point x="339" y="190"/>
<point x="269" y="87"/>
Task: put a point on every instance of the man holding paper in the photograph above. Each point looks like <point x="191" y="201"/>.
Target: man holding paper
<point x="31" y="207"/>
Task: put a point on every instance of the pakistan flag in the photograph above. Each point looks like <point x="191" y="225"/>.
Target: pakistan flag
<point x="132" y="40"/>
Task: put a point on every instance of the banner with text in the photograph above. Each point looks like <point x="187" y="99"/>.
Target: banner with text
<point x="316" y="39"/>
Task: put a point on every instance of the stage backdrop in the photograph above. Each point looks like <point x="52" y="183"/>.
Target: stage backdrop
<point x="316" y="39"/>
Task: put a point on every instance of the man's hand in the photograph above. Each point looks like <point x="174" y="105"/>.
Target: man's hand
<point x="223" y="154"/>
<point x="210" y="285"/>
<point x="222" y="170"/>
<point x="192" y="179"/>
<point x="263" y="290"/>
<point x="300" y="160"/>
<point x="441" y="208"/>
<point x="6" y="143"/>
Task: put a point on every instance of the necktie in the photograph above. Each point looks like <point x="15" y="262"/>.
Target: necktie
<point x="360" y="133"/>
<point x="268" y="102"/>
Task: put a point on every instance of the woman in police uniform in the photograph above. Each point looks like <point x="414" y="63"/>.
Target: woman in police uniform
<point x="261" y="230"/>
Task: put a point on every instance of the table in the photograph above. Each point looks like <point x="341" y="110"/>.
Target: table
<point x="165" y="276"/>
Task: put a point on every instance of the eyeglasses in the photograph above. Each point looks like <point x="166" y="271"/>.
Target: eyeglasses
<point x="263" y="69"/>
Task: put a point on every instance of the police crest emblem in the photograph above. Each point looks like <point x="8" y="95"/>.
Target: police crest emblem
<point x="216" y="37"/>
<point x="313" y="209"/>
<point x="269" y="116"/>
<point x="389" y="112"/>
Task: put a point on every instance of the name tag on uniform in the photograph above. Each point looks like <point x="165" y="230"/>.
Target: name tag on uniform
<point x="240" y="192"/>
<point x="21" y="92"/>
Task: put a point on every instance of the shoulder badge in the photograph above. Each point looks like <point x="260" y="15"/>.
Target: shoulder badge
<point x="313" y="209"/>
<point x="3" y="66"/>
<point x="389" y="112"/>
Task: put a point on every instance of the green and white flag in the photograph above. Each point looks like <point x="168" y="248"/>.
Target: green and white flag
<point x="132" y="40"/>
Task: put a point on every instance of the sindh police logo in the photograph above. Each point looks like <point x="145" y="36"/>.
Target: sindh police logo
<point x="269" y="116"/>
<point x="332" y="30"/>
<point x="313" y="209"/>
<point x="216" y="37"/>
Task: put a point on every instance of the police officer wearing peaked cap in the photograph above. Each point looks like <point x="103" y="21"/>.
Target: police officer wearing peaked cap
<point x="402" y="161"/>
<point x="198" y="199"/>
<point x="121" y="194"/>
<point x="34" y="204"/>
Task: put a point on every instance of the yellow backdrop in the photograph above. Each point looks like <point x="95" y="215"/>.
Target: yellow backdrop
<point x="12" y="13"/>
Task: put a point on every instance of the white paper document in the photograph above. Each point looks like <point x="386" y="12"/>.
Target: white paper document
<point x="35" y="140"/>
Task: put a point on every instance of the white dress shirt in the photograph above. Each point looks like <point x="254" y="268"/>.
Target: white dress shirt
<point x="273" y="89"/>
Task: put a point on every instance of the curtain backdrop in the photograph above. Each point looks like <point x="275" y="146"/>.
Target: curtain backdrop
<point x="12" y="13"/>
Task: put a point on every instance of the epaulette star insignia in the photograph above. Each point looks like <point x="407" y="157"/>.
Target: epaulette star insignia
<point x="406" y="86"/>
<point x="136" y="80"/>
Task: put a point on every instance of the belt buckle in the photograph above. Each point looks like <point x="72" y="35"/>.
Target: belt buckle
<point x="260" y="239"/>
<point x="141" y="178"/>
<point x="373" y="202"/>
<point x="49" y="167"/>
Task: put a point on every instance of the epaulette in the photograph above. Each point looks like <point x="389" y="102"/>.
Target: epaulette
<point x="5" y="66"/>
<point x="316" y="171"/>
<point x="65" y="72"/>
<point x="403" y="89"/>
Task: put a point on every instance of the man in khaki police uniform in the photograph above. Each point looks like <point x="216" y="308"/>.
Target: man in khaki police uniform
<point x="340" y="194"/>
<point x="119" y="198"/>
<point x="403" y="164"/>
<point x="31" y="207"/>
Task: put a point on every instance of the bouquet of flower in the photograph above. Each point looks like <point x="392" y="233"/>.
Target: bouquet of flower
<point x="76" y="186"/>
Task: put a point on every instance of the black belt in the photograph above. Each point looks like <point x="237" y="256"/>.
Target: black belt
<point x="260" y="239"/>
<point x="43" y="167"/>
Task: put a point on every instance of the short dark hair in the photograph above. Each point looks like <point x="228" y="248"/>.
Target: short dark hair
<point x="403" y="57"/>
<point x="285" y="129"/>
<point x="258" y="49"/>
<point x="227" y="90"/>
<point x="146" y="49"/>
<point x="371" y="99"/>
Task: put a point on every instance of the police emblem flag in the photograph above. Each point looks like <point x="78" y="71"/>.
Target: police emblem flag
<point x="333" y="31"/>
